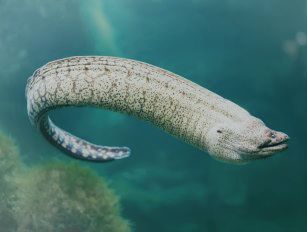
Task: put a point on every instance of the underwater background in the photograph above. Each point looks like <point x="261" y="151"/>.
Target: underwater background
<point x="251" y="52"/>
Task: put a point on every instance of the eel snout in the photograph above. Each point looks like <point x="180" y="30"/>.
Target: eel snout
<point x="275" y="141"/>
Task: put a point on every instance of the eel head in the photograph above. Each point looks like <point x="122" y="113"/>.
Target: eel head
<point x="241" y="142"/>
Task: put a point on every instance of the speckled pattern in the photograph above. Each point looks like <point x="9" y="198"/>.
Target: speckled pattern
<point x="173" y="103"/>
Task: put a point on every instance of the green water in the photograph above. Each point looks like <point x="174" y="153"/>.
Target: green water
<point x="251" y="52"/>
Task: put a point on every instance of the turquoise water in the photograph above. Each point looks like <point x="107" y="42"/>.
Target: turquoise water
<point x="251" y="52"/>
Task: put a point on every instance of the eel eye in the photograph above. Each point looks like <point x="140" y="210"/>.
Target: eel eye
<point x="272" y="135"/>
<point x="219" y="131"/>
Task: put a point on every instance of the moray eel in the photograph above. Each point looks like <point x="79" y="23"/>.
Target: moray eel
<point x="178" y="106"/>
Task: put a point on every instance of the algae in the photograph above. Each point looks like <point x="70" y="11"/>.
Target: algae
<point x="54" y="197"/>
<point x="10" y="165"/>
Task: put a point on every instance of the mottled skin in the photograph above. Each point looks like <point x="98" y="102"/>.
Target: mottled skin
<point x="173" y="103"/>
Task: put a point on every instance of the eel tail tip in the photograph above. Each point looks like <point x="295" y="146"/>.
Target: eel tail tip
<point x="124" y="153"/>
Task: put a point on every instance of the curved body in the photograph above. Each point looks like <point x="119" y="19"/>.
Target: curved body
<point x="171" y="102"/>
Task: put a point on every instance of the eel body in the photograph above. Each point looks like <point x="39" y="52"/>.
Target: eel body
<point x="171" y="102"/>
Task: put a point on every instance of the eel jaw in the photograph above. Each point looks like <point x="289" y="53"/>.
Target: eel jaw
<point x="276" y="142"/>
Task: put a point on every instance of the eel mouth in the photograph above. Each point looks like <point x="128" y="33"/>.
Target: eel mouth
<point x="276" y="143"/>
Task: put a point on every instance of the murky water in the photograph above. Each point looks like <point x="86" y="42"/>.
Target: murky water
<point x="251" y="52"/>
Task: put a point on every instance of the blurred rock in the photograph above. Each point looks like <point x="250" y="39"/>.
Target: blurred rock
<point x="54" y="197"/>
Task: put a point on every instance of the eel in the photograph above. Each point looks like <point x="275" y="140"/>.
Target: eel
<point x="177" y="105"/>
